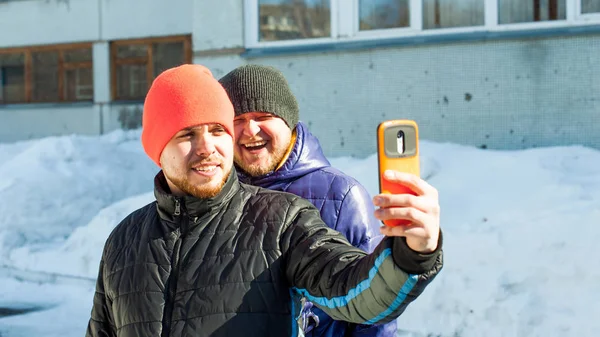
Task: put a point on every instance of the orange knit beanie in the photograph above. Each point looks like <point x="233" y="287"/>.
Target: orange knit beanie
<point x="180" y="97"/>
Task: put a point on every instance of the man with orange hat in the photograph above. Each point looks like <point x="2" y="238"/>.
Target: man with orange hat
<point x="216" y="257"/>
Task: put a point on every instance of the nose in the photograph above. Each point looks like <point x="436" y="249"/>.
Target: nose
<point x="204" y="146"/>
<point x="251" y="128"/>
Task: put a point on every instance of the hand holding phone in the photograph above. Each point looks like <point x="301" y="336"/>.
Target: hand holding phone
<point x="397" y="149"/>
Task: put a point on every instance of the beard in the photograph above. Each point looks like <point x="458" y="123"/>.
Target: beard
<point x="203" y="191"/>
<point x="257" y="170"/>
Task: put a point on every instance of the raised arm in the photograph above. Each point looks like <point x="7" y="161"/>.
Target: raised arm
<point x="347" y="283"/>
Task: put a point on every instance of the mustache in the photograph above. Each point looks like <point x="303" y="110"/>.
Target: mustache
<point x="254" y="139"/>
<point x="206" y="160"/>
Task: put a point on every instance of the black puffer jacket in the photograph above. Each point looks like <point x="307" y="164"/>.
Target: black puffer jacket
<point x="240" y="265"/>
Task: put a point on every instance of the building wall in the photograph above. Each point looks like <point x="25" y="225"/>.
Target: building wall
<point x="500" y="94"/>
<point x="145" y="18"/>
<point x="217" y="25"/>
<point x="20" y="123"/>
<point x="34" y="22"/>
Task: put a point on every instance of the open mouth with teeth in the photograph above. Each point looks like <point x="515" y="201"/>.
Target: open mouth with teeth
<point x="255" y="146"/>
<point x="206" y="169"/>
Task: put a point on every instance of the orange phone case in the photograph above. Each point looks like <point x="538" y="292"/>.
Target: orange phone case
<point x="397" y="149"/>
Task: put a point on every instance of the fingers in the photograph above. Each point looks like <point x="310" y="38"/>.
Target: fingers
<point x="424" y="204"/>
<point x="413" y="215"/>
<point x="411" y="181"/>
<point x="421" y="211"/>
<point x="405" y="231"/>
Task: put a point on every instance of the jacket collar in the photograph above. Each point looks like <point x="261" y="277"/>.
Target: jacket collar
<point x="305" y="157"/>
<point x="170" y="206"/>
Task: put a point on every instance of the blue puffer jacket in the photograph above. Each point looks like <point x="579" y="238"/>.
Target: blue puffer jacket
<point x="345" y="205"/>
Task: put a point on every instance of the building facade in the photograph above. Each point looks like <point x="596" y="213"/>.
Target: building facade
<point x="500" y="74"/>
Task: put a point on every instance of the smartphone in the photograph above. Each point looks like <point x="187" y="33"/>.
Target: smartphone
<point x="397" y="149"/>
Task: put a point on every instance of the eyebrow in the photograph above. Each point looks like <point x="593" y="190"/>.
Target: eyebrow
<point x="258" y="114"/>
<point x="210" y="125"/>
<point x="190" y="128"/>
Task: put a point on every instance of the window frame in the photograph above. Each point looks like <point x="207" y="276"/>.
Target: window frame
<point x="147" y="60"/>
<point x="584" y="16"/>
<point x="251" y="36"/>
<point x="62" y="67"/>
<point x="345" y="24"/>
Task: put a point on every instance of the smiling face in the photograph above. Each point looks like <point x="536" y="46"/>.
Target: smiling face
<point x="261" y="141"/>
<point x="198" y="160"/>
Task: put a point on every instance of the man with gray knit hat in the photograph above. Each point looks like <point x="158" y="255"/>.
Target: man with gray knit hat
<point x="272" y="149"/>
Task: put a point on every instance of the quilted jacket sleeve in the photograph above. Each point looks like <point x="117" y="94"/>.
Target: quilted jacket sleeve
<point x="344" y="281"/>
<point x="101" y="323"/>
<point x="356" y="219"/>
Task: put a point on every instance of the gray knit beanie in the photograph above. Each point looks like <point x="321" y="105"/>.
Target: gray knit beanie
<point x="258" y="88"/>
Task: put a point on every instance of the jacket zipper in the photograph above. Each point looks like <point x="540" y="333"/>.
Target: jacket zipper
<point x="170" y="296"/>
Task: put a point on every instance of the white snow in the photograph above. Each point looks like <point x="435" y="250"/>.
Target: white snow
<point x="520" y="234"/>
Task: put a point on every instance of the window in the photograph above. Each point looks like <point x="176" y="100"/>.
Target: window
<point x="294" y="19"/>
<point x="590" y="6"/>
<point x="297" y="22"/>
<point x="46" y="74"/>
<point x="12" y="78"/>
<point x="517" y="11"/>
<point x="383" y="14"/>
<point x="452" y="13"/>
<point x="135" y="63"/>
<point x="78" y="74"/>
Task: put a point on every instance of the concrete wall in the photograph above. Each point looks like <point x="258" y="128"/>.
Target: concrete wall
<point x="35" y="22"/>
<point x="48" y="120"/>
<point x="217" y="26"/>
<point x="121" y="116"/>
<point x="44" y="120"/>
<point x="145" y="18"/>
<point x="501" y="95"/>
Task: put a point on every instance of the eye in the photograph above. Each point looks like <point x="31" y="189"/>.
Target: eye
<point x="238" y="121"/>
<point x="217" y="130"/>
<point x="264" y="118"/>
<point x="184" y="135"/>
